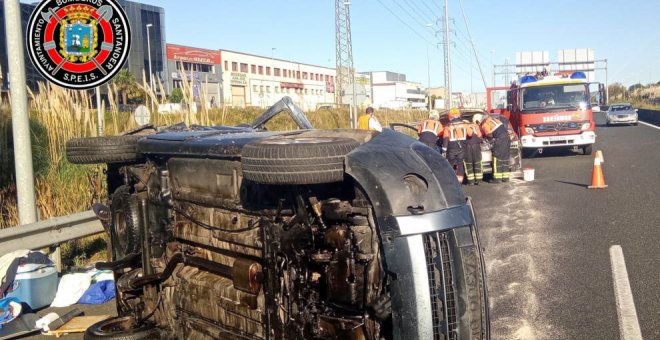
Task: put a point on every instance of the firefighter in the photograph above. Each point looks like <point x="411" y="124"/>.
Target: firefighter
<point x="430" y="129"/>
<point x="368" y="121"/>
<point x="454" y="135"/>
<point x="495" y="128"/>
<point x="473" y="165"/>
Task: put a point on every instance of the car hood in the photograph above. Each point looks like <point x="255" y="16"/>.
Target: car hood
<point x="626" y="112"/>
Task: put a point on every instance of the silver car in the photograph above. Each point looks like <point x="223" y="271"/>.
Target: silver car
<point x="622" y="113"/>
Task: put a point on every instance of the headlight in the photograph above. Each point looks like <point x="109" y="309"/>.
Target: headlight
<point x="529" y="130"/>
<point x="586" y="126"/>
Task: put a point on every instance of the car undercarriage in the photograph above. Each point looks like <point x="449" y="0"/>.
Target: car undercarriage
<point x="309" y="234"/>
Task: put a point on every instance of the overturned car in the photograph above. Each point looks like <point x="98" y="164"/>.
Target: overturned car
<point x="236" y="232"/>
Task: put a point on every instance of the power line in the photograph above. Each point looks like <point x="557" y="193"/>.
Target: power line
<point x="403" y="22"/>
<point x="467" y="27"/>
<point x="419" y="11"/>
<point x="410" y="15"/>
<point x="427" y="6"/>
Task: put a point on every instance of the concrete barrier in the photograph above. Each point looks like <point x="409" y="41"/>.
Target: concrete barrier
<point x="649" y="116"/>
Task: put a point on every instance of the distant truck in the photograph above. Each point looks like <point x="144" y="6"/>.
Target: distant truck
<point x="549" y="112"/>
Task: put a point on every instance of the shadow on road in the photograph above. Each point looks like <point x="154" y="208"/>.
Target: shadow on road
<point x="556" y="152"/>
<point x="572" y="183"/>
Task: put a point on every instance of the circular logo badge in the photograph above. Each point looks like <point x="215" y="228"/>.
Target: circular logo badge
<point x="78" y="44"/>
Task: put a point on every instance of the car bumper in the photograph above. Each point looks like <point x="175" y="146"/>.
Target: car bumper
<point x="584" y="138"/>
<point x="437" y="264"/>
<point x="621" y="120"/>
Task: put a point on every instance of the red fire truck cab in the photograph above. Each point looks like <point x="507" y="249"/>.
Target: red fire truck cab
<point x="549" y="112"/>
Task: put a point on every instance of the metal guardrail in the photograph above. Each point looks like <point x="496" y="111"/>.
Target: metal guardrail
<point x="49" y="232"/>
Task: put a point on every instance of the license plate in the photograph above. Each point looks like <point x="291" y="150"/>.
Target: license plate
<point x="623" y="116"/>
<point x="556" y="138"/>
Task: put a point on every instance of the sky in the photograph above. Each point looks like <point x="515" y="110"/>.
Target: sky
<point x="392" y="35"/>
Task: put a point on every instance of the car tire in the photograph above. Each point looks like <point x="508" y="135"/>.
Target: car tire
<point x="296" y="160"/>
<point x="635" y="123"/>
<point x="587" y="149"/>
<point x="121" y="327"/>
<point x="94" y="150"/>
<point x="125" y="223"/>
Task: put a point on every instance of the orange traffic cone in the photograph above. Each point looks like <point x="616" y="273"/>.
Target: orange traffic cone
<point x="599" y="155"/>
<point x="597" y="179"/>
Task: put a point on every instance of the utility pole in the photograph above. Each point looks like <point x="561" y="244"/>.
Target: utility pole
<point x="344" y="56"/>
<point x="27" y="210"/>
<point x="493" y="66"/>
<point x="448" y="102"/>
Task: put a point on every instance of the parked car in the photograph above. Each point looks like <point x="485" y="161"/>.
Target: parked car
<point x="237" y="232"/>
<point x="621" y="113"/>
<point x="515" y="159"/>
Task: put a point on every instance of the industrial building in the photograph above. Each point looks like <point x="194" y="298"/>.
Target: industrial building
<point x="254" y="80"/>
<point x="392" y="90"/>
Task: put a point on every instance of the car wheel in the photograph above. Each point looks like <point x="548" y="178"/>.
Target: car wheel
<point x="121" y="327"/>
<point x="125" y="223"/>
<point x="587" y="149"/>
<point x="93" y="150"/>
<point x="635" y="123"/>
<point x="296" y="160"/>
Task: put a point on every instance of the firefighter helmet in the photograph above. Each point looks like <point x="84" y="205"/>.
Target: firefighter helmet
<point x="477" y="118"/>
<point x="454" y="113"/>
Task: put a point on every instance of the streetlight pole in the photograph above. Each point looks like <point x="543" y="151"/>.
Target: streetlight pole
<point x="492" y="66"/>
<point x="151" y="81"/>
<point x="448" y="103"/>
<point x="272" y="69"/>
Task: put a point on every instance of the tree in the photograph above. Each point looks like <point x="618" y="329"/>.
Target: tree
<point x="634" y="87"/>
<point x="616" y="89"/>
<point x="126" y="85"/>
<point x="176" y="96"/>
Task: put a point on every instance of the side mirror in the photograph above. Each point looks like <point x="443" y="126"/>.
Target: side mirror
<point x="636" y="110"/>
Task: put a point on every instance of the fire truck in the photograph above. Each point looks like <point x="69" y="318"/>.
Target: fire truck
<point x="549" y="111"/>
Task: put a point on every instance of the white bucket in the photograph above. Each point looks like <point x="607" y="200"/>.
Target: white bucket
<point x="528" y="174"/>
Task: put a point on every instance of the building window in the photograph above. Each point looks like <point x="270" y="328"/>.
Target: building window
<point x="244" y="67"/>
<point x="306" y="91"/>
<point x="317" y="77"/>
<point x="267" y="70"/>
<point x="261" y="89"/>
<point x="226" y="65"/>
<point x="277" y="72"/>
<point x="267" y="89"/>
<point x="253" y="69"/>
<point x="297" y="74"/>
<point x="304" y="75"/>
<point x="277" y="89"/>
<point x="261" y="70"/>
<point x="255" y="88"/>
<point x="234" y="66"/>
<point x="326" y="78"/>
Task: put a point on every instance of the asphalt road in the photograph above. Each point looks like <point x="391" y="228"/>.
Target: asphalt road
<point x="547" y="242"/>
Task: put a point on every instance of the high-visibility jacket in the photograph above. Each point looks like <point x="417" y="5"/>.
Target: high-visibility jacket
<point x="363" y="122"/>
<point x="474" y="129"/>
<point x="456" y="131"/>
<point x="430" y="125"/>
<point x="490" y="124"/>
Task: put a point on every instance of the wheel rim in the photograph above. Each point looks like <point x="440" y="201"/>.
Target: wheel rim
<point x="117" y="325"/>
<point x="120" y="230"/>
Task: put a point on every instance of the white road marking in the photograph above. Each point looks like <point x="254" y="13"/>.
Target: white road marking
<point x="625" y="306"/>
<point x="649" y="124"/>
